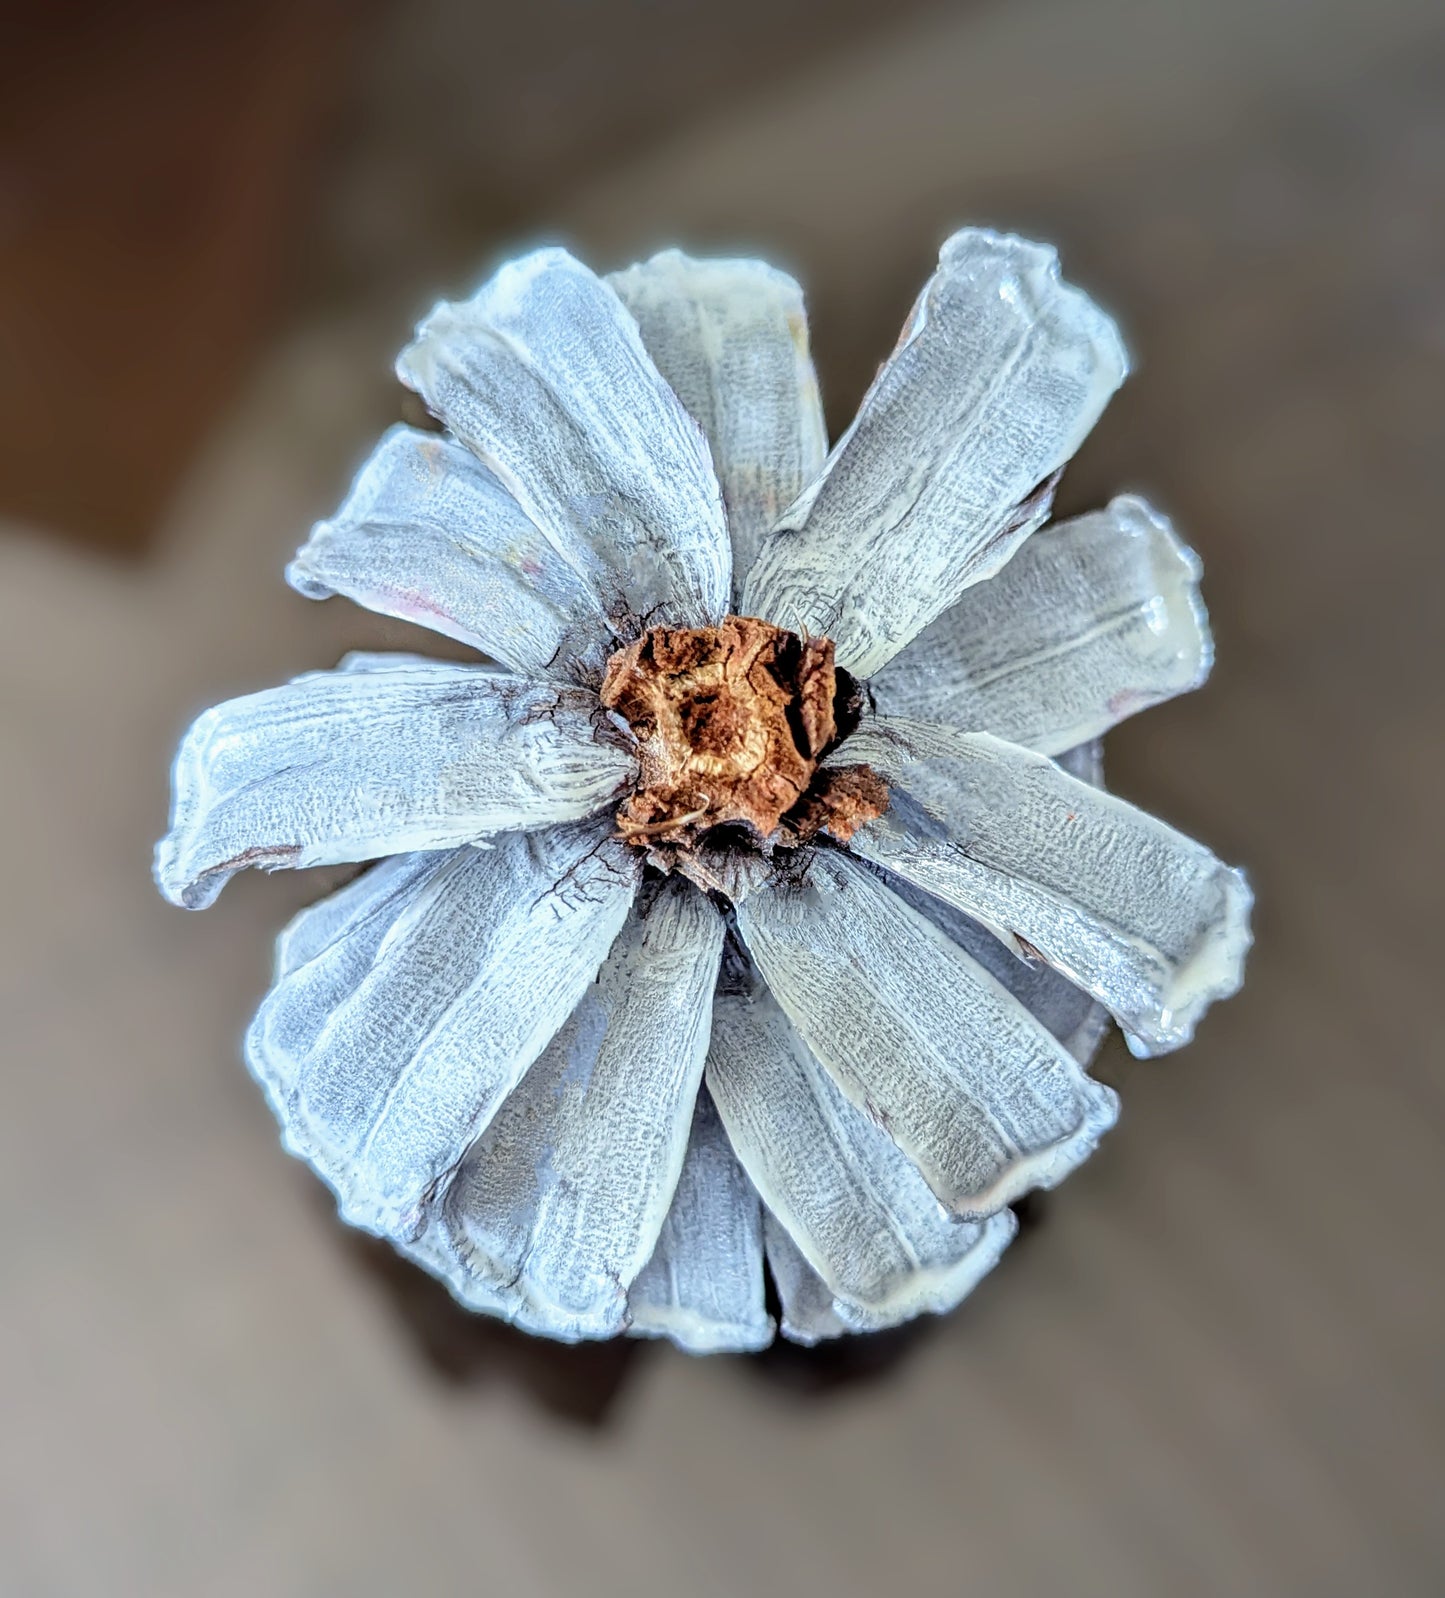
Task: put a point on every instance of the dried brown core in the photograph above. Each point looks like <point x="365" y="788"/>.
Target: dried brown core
<point x="731" y="722"/>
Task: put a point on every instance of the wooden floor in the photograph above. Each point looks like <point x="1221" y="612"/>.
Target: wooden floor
<point x="1213" y="1363"/>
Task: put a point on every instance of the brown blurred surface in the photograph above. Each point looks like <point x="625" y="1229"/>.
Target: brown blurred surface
<point x="149" y="162"/>
<point x="1213" y="1366"/>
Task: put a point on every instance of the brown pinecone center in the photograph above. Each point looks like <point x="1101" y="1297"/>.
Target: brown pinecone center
<point x="731" y="723"/>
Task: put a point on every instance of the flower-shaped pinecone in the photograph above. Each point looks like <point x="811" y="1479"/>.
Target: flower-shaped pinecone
<point x="527" y="1047"/>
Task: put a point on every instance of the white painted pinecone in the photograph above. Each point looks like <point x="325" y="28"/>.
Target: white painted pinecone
<point x="592" y="1103"/>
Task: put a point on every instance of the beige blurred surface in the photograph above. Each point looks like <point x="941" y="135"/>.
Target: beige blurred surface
<point x="1214" y="1367"/>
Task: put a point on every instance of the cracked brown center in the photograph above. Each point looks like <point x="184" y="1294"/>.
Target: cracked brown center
<point x="731" y="723"/>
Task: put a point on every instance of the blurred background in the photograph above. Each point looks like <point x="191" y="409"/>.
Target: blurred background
<point x="1213" y="1363"/>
